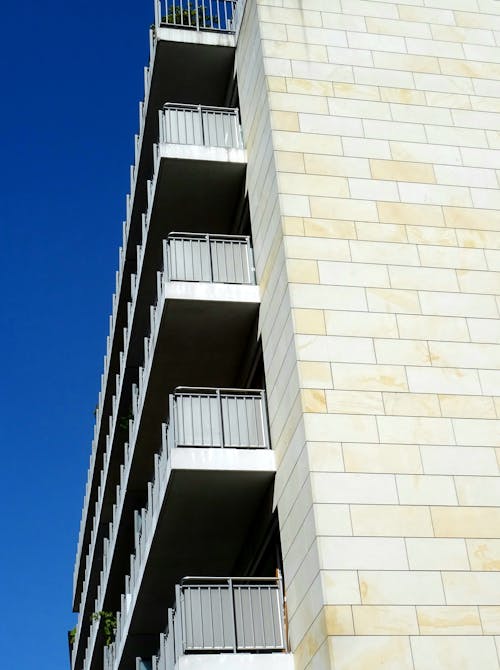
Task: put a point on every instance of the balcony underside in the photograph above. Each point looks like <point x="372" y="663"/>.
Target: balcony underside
<point x="203" y="335"/>
<point x="190" y="66"/>
<point x="187" y="66"/>
<point x="210" y="503"/>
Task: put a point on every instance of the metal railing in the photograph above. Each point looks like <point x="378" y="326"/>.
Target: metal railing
<point x="197" y="14"/>
<point x="217" y="418"/>
<point x="200" y="125"/>
<point x="225" y="259"/>
<point x="220" y="615"/>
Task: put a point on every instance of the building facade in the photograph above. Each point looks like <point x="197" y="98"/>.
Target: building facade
<point x="297" y="446"/>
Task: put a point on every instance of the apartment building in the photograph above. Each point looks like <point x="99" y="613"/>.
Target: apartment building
<point x="296" y="453"/>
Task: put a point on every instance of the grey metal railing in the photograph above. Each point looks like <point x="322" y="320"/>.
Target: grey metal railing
<point x="219" y="615"/>
<point x="226" y="259"/>
<point x="217" y="418"/>
<point x="197" y="14"/>
<point x="200" y="125"/>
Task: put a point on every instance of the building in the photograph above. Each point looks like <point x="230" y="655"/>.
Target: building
<point x="310" y="263"/>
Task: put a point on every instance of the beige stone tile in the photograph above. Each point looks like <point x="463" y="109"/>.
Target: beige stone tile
<point x="309" y="86"/>
<point x="362" y="553"/>
<point x="343" y="208"/>
<point x="353" y="274"/>
<point x="289" y="161"/>
<point x="352" y="377"/>
<point x="383" y="458"/>
<point x="479" y="282"/>
<point x="333" y="520"/>
<point x="402" y="28"/>
<point x="466" y="652"/>
<point x="478" y="491"/>
<point x="426" y="490"/>
<point x="381" y="232"/>
<point x="311" y="643"/>
<point x="476" y="407"/>
<point x="341" y="427"/>
<point x="423" y="279"/>
<point x="334" y="348"/>
<point x="285" y="121"/>
<point x="490" y="619"/>
<point x="339" y="620"/>
<point x="389" y="130"/>
<point x="384" y="252"/>
<point x="435" y="194"/>
<point x="313" y="400"/>
<point x="410" y="214"/>
<point x="475" y="219"/>
<point x="384" y="620"/>
<point x="484" y="555"/>
<point x="354" y="402"/>
<point x="401" y="352"/>
<point x="426" y="153"/>
<point x="455" y="304"/>
<point x="435" y="553"/>
<point x="475" y="460"/>
<point x="339" y="166"/>
<point x="470" y="432"/>
<point x="412" y="404"/>
<point x="452" y="257"/>
<point x="312" y="185"/>
<point x="433" y="328"/>
<point x="393" y="301"/>
<point x="391" y="521"/>
<point x="479" y="522"/>
<point x="314" y="374"/>
<point x="432" y="235"/>
<point x="356" y="91"/>
<point x="465" y="355"/>
<point x="348" y="488"/>
<point x="449" y="620"/>
<point x="327" y="297"/>
<point x="329" y="228"/>
<point x="402" y="95"/>
<point x="340" y="587"/>
<point x="382" y="651"/>
<point x="422" y="430"/>
<point x="309" y="321"/>
<point x="403" y="171"/>
<point x="361" y="323"/>
<point x="490" y="381"/>
<point x="292" y="225"/>
<point x="477" y="238"/>
<point x="443" y="380"/>
<point x="325" y="457"/>
<point x="387" y="587"/>
<point x="303" y="272"/>
<point x="285" y="140"/>
<point x="472" y="588"/>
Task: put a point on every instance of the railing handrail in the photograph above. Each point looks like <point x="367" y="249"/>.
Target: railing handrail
<point x="202" y="108"/>
<point x="212" y="390"/>
<point x="209" y="236"/>
<point x="226" y="580"/>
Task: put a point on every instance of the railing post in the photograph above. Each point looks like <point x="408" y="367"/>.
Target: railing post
<point x="166" y="264"/>
<point x="203" y="139"/>
<point x="233" y="612"/>
<point x="265" y="423"/>
<point x="252" y="279"/>
<point x="180" y="613"/>
<point x="221" y="423"/>
<point x="207" y="237"/>
<point x="171" y="429"/>
<point x="197" y="15"/>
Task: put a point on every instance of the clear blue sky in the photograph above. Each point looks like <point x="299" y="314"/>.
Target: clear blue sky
<point x="72" y="77"/>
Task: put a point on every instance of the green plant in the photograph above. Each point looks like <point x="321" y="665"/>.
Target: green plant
<point x="186" y="13"/>
<point x="109" y="624"/>
<point x="123" y="421"/>
<point x="72" y="636"/>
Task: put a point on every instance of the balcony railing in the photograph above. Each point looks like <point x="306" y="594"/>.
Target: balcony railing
<point x="225" y="418"/>
<point x="219" y="615"/>
<point x="226" y="259"/>
<point x="200" y="125"/>
<point x="197" y="14"/>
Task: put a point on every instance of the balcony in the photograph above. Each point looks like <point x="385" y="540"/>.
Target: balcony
<point x="213" y="616"/>
<point x="212" y="474"/>
<point x="192" y="49"/>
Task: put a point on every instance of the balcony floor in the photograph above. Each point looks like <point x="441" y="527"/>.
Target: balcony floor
<point x="272" y="661"/>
